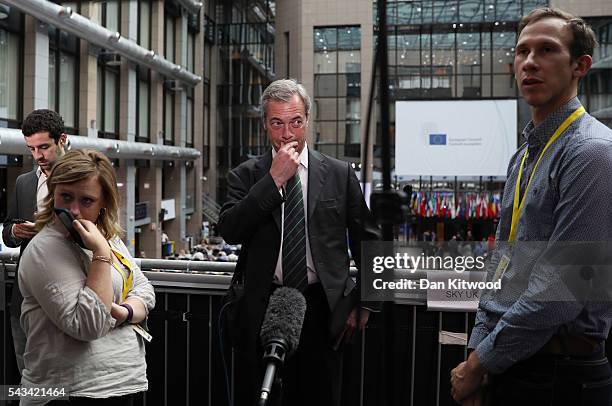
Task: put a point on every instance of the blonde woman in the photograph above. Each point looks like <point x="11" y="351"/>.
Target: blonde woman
<point x="84" y="309"/>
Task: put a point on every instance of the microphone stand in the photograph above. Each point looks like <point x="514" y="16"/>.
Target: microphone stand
<point x="275" y="356"/>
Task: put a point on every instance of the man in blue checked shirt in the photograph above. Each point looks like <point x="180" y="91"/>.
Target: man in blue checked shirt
<point x="540" y="339"/>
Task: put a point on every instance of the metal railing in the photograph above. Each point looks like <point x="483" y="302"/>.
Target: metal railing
<point x="184" y="359"/>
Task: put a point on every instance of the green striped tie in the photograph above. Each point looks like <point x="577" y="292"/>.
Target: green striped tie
<point x="294" y="237"/>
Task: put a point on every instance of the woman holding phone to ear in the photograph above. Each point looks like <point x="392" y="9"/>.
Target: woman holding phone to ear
<point x="84" y="309"/>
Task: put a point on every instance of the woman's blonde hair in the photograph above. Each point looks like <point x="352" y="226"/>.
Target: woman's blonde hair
<point x="78" y="165"/>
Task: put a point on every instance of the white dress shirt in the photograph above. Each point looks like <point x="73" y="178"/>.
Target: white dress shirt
<point x="303" y="172"/>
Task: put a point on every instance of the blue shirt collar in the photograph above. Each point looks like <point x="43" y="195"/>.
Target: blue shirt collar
<point x="537" y="136"/>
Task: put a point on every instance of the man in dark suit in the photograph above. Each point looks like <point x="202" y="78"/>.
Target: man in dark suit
<point x="291" y="210"/>
<point x="45" y="136"/>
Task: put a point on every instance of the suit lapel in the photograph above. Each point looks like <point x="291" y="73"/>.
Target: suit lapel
<point x="262" y="167"/>
<point x="31" y="187"/>
<point x="317" y="172"/>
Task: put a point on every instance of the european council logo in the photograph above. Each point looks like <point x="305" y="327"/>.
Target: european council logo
<point x="437" y="139"/>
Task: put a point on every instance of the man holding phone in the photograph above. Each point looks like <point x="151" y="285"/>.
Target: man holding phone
<point x="45" y="137"/>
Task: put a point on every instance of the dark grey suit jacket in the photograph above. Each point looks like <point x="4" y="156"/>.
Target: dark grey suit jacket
<point x="22" y="205"/>
<point x="252" y="217"/>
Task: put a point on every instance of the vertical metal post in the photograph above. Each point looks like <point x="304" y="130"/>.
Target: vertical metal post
<point x="388" y="390"/>
<point x="188" y="351"/>
<point x="210" y="341"/>
<point x="439" y="366"/>
<point x="465" y="348"/>
<point x="383" y="98"/>
<point x="4" y="310"/>
<point x="412" y="362"/>
<point x="165" y="352"/>
<point x="362" y="367"/>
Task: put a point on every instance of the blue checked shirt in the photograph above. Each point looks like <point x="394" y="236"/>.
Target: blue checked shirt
<point x="570" y="199"/>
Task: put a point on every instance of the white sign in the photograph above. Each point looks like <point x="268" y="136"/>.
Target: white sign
<point x="455" y="138"/>
<point x="169" y="206"/>
<point x="446" y="291"/>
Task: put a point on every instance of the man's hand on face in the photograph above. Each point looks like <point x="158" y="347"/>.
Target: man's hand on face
<point x="24" y="231"/>
<point x="285" y="163"/>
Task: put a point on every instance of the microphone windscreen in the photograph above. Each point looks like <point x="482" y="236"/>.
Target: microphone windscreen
<point x="284" y="318"/>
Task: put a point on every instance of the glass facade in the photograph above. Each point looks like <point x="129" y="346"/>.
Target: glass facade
<point x="336" y="113"/>
<point x="190" y="118"/>
<point x="190" y="93"/>
<point x="465" y="62"/>
<point x="445" y="50"/>
<point x="143" y="101"/>
<point x="108" y="101"/>
<point x="144" y="23"/>
<point x="170" y="55"/>
<point x="143" y="94"/>
<point x="168" y="120"/>
<point x="596" y="88"/>
<point x="63" y="81"/>
<point x="108" y="75"/>
<point x="169" y="39"/>
<point x="63" y="76"/>
<point x="11" y="69"/>
<point x="209" y="40"/>
<point x="246" y="56"/>
<point x="418" y="12"/>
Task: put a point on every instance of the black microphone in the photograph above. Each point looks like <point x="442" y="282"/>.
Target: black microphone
<point x="280" y="333"/>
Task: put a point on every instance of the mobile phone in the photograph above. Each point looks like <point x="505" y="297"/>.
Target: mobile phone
<point x="67" y="218"/>
<point x="18" y="221"/>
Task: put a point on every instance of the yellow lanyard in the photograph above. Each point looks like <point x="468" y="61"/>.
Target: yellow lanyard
<point x="127" y="279"/>
<point x="517" y="206"/>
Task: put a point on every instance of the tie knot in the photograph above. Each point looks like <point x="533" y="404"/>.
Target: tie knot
<point x="294" y="179"/>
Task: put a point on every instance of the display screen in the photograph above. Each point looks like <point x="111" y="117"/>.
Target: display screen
<point x="454" y="138"/>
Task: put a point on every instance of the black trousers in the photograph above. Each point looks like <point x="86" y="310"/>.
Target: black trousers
<point x="545" y="380"/>
<point x="312" y="376"/>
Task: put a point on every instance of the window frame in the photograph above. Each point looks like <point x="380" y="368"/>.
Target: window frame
<point x="332" y="41"/>
<point x="15" y="25"/>
<point x="55" y="45"/>
<point x="143" y="75"/>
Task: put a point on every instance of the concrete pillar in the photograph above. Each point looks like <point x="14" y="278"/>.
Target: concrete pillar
<point x="127" y="124"/>
<point x="177" y="187"/>
<point x="194" y="183"/>
<point x="150" y="191"/>
<point x="210" y="184"/>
